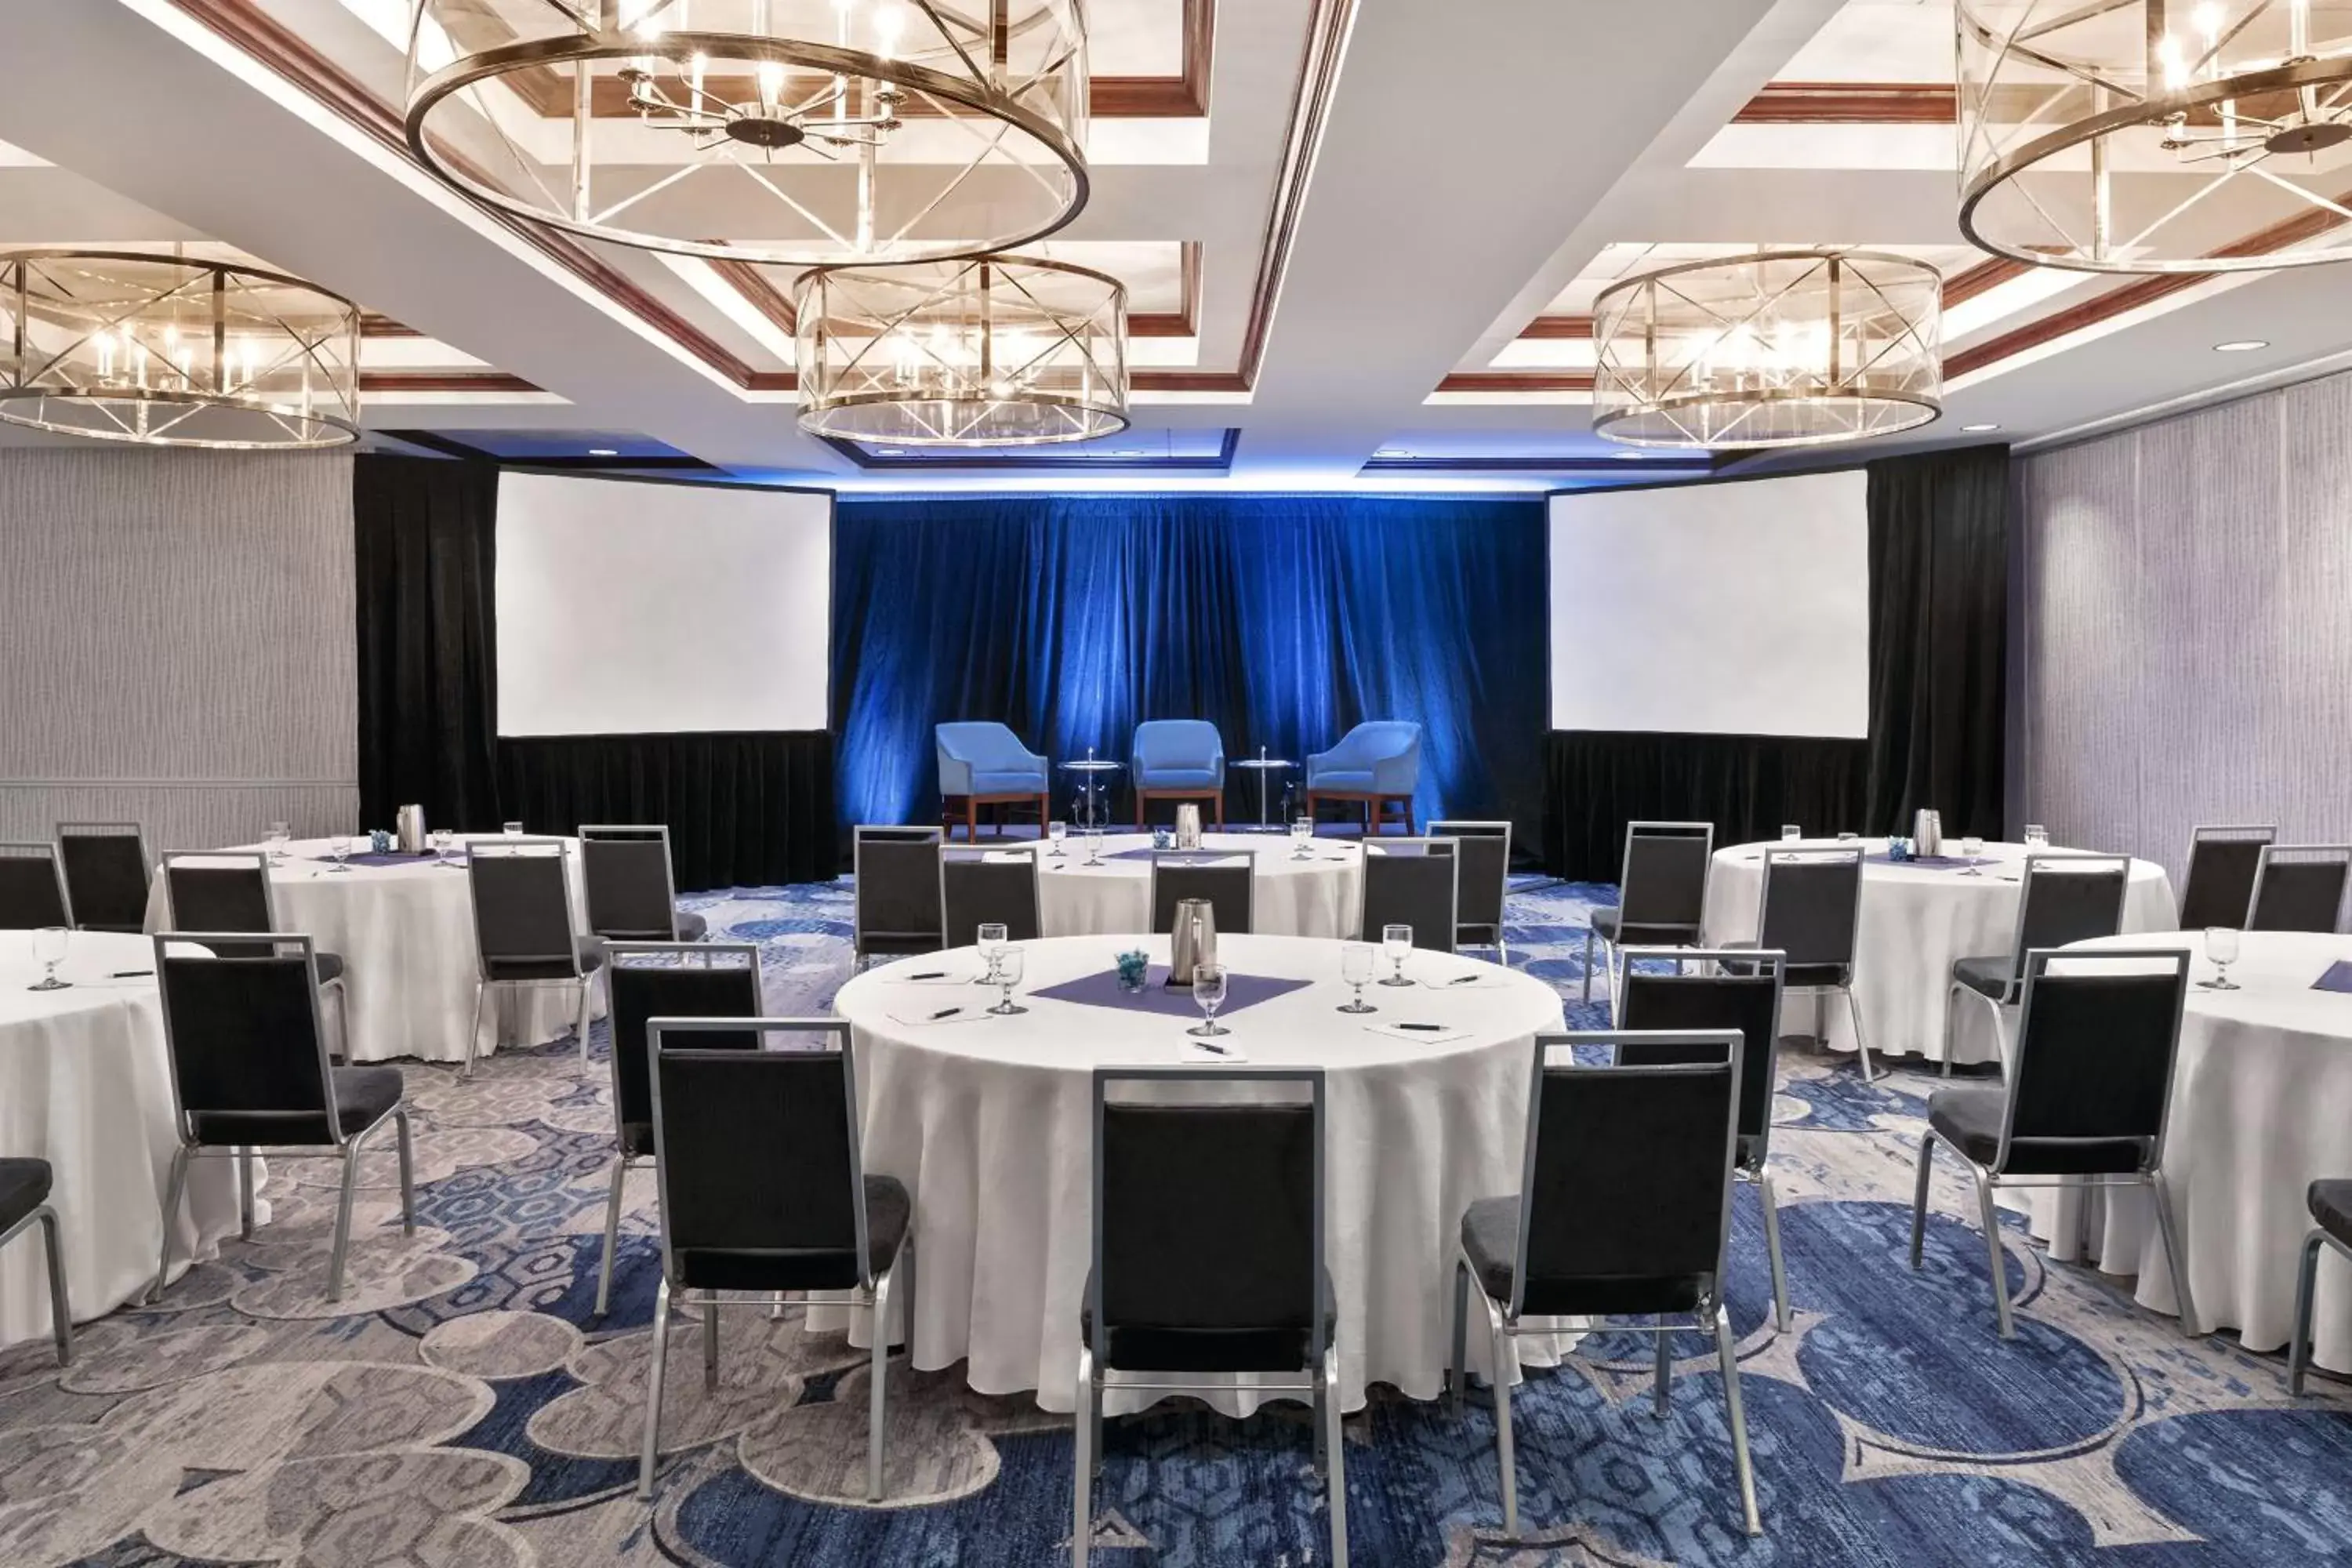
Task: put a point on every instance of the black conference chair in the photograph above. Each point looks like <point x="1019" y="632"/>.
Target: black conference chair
<point x="762" y="1190"/>
<point x="229" y="889"/>
<point x="1414" y="882"/>
<point x="2300" y="886"/>
<point x="1745" y="994"/>
<point x="1228" y="882"/>
<point x="895" y="872"/>
<point x="523" y="931"/>
<point x="648" y="980"/>
<point x="631" y="893"/>
<point x="2219" y="888"/>
<point x="975" y="890"/>
<point x="1661" y="891"/>
<point x="1570" y="1244"/>
<point x="2086" y="1102"/>
<point x="249" y="1070"/>
<point x="2063" y="898"/>
<point x="105" y="865"/>
<point x="32" y="887"/>
<point x="1484" y="850"/>
<point x="1811" y="909"/>
<point x="25" y="1202"/>
<point x="2330" y="1203"/>
<point x="1208" y="1257"/>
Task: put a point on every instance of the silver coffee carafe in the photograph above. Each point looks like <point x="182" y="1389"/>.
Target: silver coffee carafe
<point x="1927" y="832"/>
<point x="409" y="830"/>
<point x="1188" y="826"/>
<point x="1192" y="939"/>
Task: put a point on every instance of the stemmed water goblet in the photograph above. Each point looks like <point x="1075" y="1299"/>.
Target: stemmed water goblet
<point x="279" y="833"/>
<point x="1009" y="963"/>
<point x="1356" y="965"/>
<point x="1971" y="850"/>
<point x="2222" y="947"/>
<point x="1057" y="831"/>
<point x="340" y="846"/>
<point x="1209" y="991"/>
<point x="441" y="847"/>
<point x="995" y="938"/>
<point x="1302" y="834"/>
<point x="49" y="947"/>
<point x="1396" y="941"/>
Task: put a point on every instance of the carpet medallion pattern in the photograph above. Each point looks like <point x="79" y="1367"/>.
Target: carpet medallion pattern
<point x="462" y="1407"/>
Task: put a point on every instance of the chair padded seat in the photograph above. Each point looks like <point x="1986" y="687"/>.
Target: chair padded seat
<point x="1008" y="781"/>
<point x="25" y="1186"/>
<point x="1359" y="780"/>
<point x="591" y="950"/>
<point x="1145" y="1348"/>
<point x="1180" y="778"/>
<point x="692" y="927"/>
<point x="330" y="966"/>
<point x="1969" y="1116"/>
<point x="1815" y="976"/>
<point x="888" y="1211"/>
<point x="1989" y="976"/>
<point x="362" y="1097"/>
<point x="2331" y="1205"/>
<point x="1490" y="1235"/>
<point x="1605" y="922"/>
<point x="637" y="1138"/>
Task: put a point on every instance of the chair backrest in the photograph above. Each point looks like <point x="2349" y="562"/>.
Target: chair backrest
<point x="1191" y="743"/>
<point x="1228" y="882"/>
<point x="1484" y="852"/>
<point x="1208" y="1216"/>
<point x="1662" y="892"/>
<point x="897" y="875"/>
<point x="1810" y="906"/>
<point x="2218" y="889"/>
<point x="1664" y="1132"/>
<point x="653" y="979"/>
<point x="1377" y="738"/>
<point x="105" y="865"/>
<point x="756" y="1151"/>
<point x="1414" y="882"/>
<point x="2067" y="898"/>
<point x="1743" y="991"/>
<point x="32" y="887"/>
<point x="2300" y="886"/>
<point x="2094" y="1052"/>
<point x="522" y="902"/>
<point x="243" y="1033"/>
<point x="978" y="885"/>
<point x="221" y="891"/>
<point x="625" y="871"/>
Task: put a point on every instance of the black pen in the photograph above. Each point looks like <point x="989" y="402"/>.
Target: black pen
<point x="1431" y="1029"/>
<point x="1466" y="980"/>
<point x="130" y="973"/>
<point x="929" y="974"/>
<point x="945" y="1013"/>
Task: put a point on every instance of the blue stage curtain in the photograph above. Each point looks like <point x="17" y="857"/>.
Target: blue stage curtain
<point x="1281" y="620"/>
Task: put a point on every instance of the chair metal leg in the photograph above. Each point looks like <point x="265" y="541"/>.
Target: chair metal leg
<point x="659" y="1348"/>
<point x="1861" y="1039"/>
<point x="1458" y="1371"/>
<point x="177" y="1185"/>
<point x="1082" y="1476"/>
<point x="245" y="1192"/>
<point x="1738" y="1414"/>
<point x="1951" y="1030"/>
<point x="1662" y="1371"/>
<point x="407" y="1171"/>
<point x="2299" y="1342"/>
<point x="473" y="1037"/>
<point x="1588" y="963"/>
<point x="1335" y="1462"/>
<point x="613" y="1236"/>
<point x="710" y="1340"/>
<point x="342" y="1244"/>
<point x="587" y="1000"/>
<point x="1919" y="1196"/>
<point x="2169" y="1224"/>
<point x="1771" y="1202"/>
<point x="1502" y="949"/>
<point x="877" y="1386"/>
<point x="343" y="1015"/>
<point x="60" y="1310"/>
<point x="1315" y="1397"/>
<point x="1990" y="1214"/>
<point x="1504" y="1457"/>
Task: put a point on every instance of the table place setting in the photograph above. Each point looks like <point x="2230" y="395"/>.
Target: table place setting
<point x="1419" y="1032"/>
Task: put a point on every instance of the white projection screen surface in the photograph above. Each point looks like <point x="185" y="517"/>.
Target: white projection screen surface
<point x="632" y="608"/>
<point x="1739" y="608"/>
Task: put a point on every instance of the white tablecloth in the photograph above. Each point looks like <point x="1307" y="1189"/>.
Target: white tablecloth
<point x="2262" y="1107"/>
<point x="988" y="1123"/>
<point x="86" y="1085"/>
<point x="1916" y="921"/>
<point x="1314" y="897"/>
<point x="406" y="934"/>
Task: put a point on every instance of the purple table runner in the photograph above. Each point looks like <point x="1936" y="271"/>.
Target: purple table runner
<point x="2337" y="978"/>
<point x="1101" y="990"/>
<point x="370" y="858"/>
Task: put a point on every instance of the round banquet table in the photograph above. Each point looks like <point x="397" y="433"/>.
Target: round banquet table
<point x="988" y="1122"/>
<point x="1314" y="897"/>
<point x="85" y="1084"/>
<point x="404" y="930"/>
<point x="2262" y="1107"/>
<point x="1916" y="921"/>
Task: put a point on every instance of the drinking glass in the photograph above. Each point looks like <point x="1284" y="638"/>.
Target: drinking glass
<point x="511" y="829"/>
<point x="1356" y="969"/>
<point x="995" y="938"/>
<point x="1302" y="834"/>
<point x="1057" y="831"/>
<point x="279" y="833"/>
<point x="1790" y="833"/>
<point x="1009" y="964"/>
<point x="1209" y="991"/>
<point x="2036" y="836"/>
<point x="441" y="846"/>
<point x="1846" y="837"/>
<point x="1397" y="942"/>
<point x="2222" y="947"/>
<point x="49" y="947"/>
<point x="1093" y="843"/>
<point x="340" y="846"/>
<point x="1971" y="850"/>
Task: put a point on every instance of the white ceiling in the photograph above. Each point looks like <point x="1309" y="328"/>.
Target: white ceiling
<point x="1474" y="167"/>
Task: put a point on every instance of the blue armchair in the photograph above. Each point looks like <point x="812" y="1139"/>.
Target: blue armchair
<point x="1377" y="763"/>
<point x="1179" y="759"/>
<point x="984" y="764"/>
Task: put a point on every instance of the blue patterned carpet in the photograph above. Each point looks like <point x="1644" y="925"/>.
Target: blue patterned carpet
<point x="462" y="1409"/>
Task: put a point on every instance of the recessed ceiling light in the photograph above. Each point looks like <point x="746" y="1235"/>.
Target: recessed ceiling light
<point x="2241" y="346"/>
<point x="1627" y="457"/>
<point x="1390" y="452"/>
<point x="1973" y="429"/>
<point x="602" y="452"/>
<point x="889" y="452"/>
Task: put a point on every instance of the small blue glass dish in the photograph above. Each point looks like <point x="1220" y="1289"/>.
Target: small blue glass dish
<point x="1134" y="972"/>
<point x="1898" y="849"/>
<point x="1162" y="838"/>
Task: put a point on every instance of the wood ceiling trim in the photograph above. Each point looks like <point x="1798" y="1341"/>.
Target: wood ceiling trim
<point x="392" y="381"/>
<point x="1318" y="74"/>
<point x="1850" y="103"/>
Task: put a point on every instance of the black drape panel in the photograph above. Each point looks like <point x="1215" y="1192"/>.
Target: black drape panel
<point x="1938" y="639"/>
<point x="743" y="810"/>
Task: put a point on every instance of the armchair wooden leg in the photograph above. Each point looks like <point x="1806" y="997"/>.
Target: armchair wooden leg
<point x="1221" y="811"/>
<point x="1139" y="808"/>
<point x="972" y="820"/>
